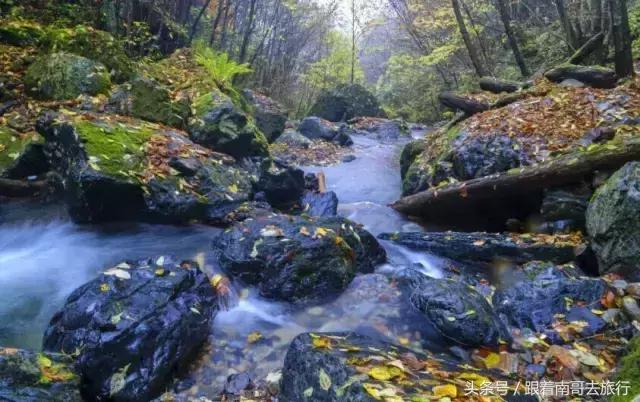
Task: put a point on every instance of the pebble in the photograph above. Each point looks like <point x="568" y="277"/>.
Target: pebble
<point x="630" y="306"/>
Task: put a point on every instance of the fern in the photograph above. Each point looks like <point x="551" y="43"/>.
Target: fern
<point x="219" y="65"/>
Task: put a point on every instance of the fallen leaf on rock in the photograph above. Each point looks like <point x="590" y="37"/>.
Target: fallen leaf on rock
<point x="324" y="380"/>
<point x="449" y="390"/>
<point x="118" y="273"/>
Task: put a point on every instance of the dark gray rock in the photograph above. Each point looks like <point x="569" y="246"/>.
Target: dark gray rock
<point x="237" y="383"/>
<point x="293" y="138"/>
<point x="134" y="327"/>
<point x="409" y="154"/>
<point x="297" y="258"/>
<point x="346" y="102"/>
<point x="34" y="377"/>
<point x="594" y="76"/>
<point x="270" y="115"/>
<point x="613" y="222"/>
<point x="315" y="128"/>
<point x="459" y="312"/>
<point x="484" y="247"/>
<point x="320" y="204"/>
<point x="477" y="157"/>
<point x="283" y="185"/>
<point x="540" y="291"/>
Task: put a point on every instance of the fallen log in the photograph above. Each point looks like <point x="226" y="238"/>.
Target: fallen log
<point x="489" y="247"/>
<point x="467" y="105"/>
<point x="593" y="44"/>
<point x="490" y="192"/>
<point x="497" y="85"/>
<point x="594" y="76"/>
<point x="23" y="188"/>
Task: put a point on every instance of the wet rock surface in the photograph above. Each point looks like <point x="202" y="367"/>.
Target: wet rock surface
<point x="489" y="247"/>
<point x="298" y="259"/>
<point x="134" y="327"/>
<point x="319" y="204"/>
<point x="271" y="116"/>
<point x="459" y="313"/>
<point x="29" y="376"/>
<point x="131" y="170"/>
<point x="613" y="217"/>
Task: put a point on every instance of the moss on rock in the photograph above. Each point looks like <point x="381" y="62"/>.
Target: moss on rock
<point x="61" y="76"/>
<point x="13" y="148"/>
<point x="21" y="32"/>
<point x="630" y="371"/>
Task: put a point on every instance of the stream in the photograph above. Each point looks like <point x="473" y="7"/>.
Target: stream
<point x="44" y="257"/>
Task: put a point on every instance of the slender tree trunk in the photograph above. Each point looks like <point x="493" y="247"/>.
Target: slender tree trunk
<point x="248" y="32"/>
<point x="621" y="38"/>
<point x="353" y="41"/>
<point x="194" y="27"/>
<point x="216" y="21"/>
<point x="504" y="16"/>
<point x="566" y="25"/>
<point x="483" y="48"/>
<point x="473" y="53"/>
<point x="225" y="24"/>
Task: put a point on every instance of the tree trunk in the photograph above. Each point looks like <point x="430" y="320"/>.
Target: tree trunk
<point x="353" y="41"/>
<point x="249" y="31"/>
<point x="593" y="44"/>
<point x="621" y="38"/>
<point x="194" y="27"/>
<point x="216" y="21"/>
<point x="473" y="53"/>
<point x="438" y="203"/>
<point x="566" y="25"/>
<point x="504" y="16"/>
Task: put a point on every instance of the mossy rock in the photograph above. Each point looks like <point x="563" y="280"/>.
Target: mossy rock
<point x="93" y="44"/>
<point x="124" y="169"/>
<point x="224" y="127"/>
<point x="21" y="33"/>
<point x="21" y="155"/>
<point x="28" y="376"/>
<point x="409" y="154"/>
<point x="61" y="76"/>
<point x="147" y="99"/>
<point x="346" y="102"/>
<point x="629" y="370"/>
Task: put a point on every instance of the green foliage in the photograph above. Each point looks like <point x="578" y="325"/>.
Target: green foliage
<point x="219" y="65"/>
<point x="634" y="24"/>
<point x="630" y="371"/>
<point x="335" y="68"/>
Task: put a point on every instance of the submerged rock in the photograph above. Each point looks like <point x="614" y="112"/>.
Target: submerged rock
<point x="613" y="222"/>
<point x="542" y="290"/>
<point x="489" y="247"/>
<point x="123" y="169"/>
<point x="61" y="76"/>
<point x="21" y="155"/>
<point x="224" y="127"/>
<point x="296" y="258"/>
<point x="270" y="115"/>
<point x="28" y="376"/>
<point x="346" y="102"/>
<point x="459" y="312"/>
<point x="134" y="327"/>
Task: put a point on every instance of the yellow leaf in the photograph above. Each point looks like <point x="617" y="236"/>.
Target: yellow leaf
<point x="380" y="373"/>
<point x="476" y="379"/>
<point x="324" y="380"/>
<point x="159" y="272"/>
<point x="104" y="287"/>
<point x="492" y="360"/>
<point x="304" y="231"/>
<point x="449" y="390"/>
<point x="215" y="280"/>
<point x="254" y="337"/>
<point x="371" y="390"/>
<point x="233" y="188"/>
<point x="321" y="342"/>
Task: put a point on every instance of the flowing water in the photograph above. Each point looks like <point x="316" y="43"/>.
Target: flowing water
<point x="44" y="257"/>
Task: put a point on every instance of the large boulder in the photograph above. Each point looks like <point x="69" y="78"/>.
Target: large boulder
<point x="220" y="125"/>
<point x="459" y="312"/>
<point x="61" y="76"/>
<point x="134" y="327"/>
<point x="21" y="155"/>
<point x="541" y="290"/>
<point x="32" y="377"/>
<point x="316" y="128"/>
<point x="613" y="222"/>
<point x="292" y="138"/>
<point x="147" y="99"/>
<point x="271" y="116"/>
<point x="490" y="247"/>
<point x="297" y="258"/>
<point x="281" y="184"/>
<point x="124" y="169"/>
<point x="346" y="102"/>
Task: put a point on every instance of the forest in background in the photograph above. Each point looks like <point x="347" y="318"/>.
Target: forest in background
<point x="405" y="51"/>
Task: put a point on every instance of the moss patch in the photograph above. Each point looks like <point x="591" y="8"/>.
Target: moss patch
<point x="116" y="150"/>
<point x="630" y="371"/>
<point x="21" y="32"/>
<point x="12" y="144"/>
<point x="51" y="372"/>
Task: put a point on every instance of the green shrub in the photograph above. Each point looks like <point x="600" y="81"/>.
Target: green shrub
<point x="219" y="65"/>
